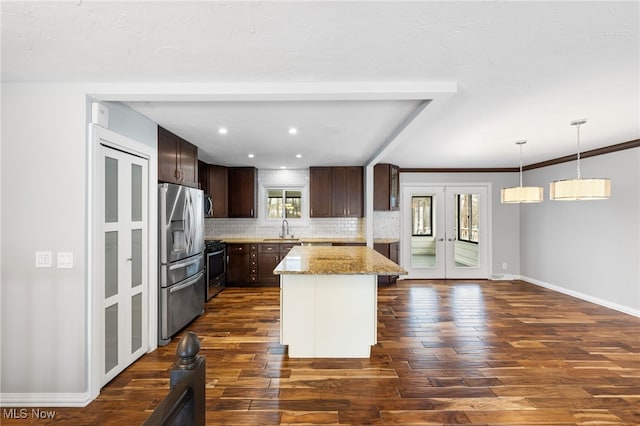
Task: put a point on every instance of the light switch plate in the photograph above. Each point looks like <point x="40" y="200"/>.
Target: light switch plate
<point x="65" y="260"/>
<point x="44" y="259"/>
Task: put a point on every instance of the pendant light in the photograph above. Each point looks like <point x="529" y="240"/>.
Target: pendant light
<point x="580" y="189"/>
<point x="522" y="194"/>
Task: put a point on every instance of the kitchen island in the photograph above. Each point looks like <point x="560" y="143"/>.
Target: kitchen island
<point x="328" y="300"/>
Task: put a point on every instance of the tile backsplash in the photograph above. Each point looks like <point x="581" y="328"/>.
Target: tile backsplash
<point x="317" y="228"/>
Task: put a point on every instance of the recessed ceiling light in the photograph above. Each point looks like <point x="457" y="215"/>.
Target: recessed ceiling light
<point x="293" y="130"/>
<point x="298" y="155"/>
<point x="283" y="167"/>
<point x="250" y="155"/>
<point x="222" y="130"/>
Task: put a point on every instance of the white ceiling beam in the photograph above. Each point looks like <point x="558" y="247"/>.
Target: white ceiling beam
<point x="335" y="91"/>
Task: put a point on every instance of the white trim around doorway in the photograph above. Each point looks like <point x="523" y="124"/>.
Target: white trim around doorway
<point x="489" y="248"/>
<point x="96" y="136"/>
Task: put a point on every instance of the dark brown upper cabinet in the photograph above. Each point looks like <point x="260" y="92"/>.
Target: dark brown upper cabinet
<point x="213" y="181"/>
<point x="218" y="185"/>
<point x="177" y="159"/>
<point x="320" y="191"/>
<point x="336" y="191"/>
<point x="386" y="187"/>
<point x="243" y="185"/>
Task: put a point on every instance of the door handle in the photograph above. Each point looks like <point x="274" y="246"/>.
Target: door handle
<point x="449" y="239"/>
<point x="440" y="239"/>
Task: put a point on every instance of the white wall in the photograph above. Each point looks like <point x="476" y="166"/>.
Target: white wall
<point x="505" y="217"/>
<point x="43" y="191"/>
<point x="590" y="249"/>
<point x="43" y="198"/>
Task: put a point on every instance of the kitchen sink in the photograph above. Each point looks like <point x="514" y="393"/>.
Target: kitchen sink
<point x="280" y="239"/>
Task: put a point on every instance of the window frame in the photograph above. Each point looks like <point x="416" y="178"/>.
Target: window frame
<point x="304" y="205"/>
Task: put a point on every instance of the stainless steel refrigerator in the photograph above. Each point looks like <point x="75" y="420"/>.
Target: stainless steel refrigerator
<point x="181" y="274"/>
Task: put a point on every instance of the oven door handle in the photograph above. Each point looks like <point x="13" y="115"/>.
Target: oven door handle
<point x="213" y="253"/>
<point x="189" y="283"/>
<point x="183" y="264"/>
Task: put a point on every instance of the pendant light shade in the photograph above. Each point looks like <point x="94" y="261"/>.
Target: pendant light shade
<point x="580" y="189"/>
<point x="522" y="194"/>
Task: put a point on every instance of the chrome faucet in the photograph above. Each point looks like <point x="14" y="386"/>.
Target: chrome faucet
<point x="284" y="233"/>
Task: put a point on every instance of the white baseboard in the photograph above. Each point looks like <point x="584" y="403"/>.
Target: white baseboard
<point x="45" y="399"/>
<point x="583" y="296"/>
<point x="502" y="277"/>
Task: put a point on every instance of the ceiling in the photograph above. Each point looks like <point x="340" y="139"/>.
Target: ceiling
<point x="418" y="84"/>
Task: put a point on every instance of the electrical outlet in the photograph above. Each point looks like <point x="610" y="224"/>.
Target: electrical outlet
<point x="44" y="259"/>
<point x="504" y="266"/>
<point x="65" y="260"/>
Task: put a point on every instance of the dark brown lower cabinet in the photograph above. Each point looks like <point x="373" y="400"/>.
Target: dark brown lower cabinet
<point x="391" y="251"/>
<point x="242" y="264"/>
<point x="268" y="259"/>
<point x="252" y="265"/>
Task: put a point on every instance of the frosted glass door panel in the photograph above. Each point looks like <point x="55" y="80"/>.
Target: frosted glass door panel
<point x="111" y="337"/>
<point x="136" y="322"/>
<point x="136" y="193"/>
<point x="110" y="264"/>
<point x="136" y="257"/>
<point x="110" y="189"/>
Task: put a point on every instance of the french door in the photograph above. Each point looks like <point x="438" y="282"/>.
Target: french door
<point x="123" y="281"/>
<point x="444" y="231"/>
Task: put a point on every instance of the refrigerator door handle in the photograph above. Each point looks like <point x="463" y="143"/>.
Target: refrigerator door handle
<point x="189" y="283"/>
<point x="183" y="264"/>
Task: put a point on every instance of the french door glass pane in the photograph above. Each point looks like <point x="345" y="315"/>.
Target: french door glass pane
<point x="136" y="192"/>
<point x="423" y="243"/>
<point x="136" y="322"/>
<point x="110" y="190"/>
<point x="136" y="257"/>
<point x="110" y="263"/>
<point x="111" y="337"/>
<point x="466" y="244"/>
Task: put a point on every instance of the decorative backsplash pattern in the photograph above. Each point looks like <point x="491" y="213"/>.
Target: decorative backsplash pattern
<point x="386" y="224"/>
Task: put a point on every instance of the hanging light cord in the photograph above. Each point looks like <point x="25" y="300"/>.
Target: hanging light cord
<point x="520" y="143"/>
<point x="577" y="123"/>
<point x="521" y="163"/>
<point x="578" y="165"/>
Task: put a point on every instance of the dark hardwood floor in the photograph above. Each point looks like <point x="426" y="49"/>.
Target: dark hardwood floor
<point x="448" y="352"/>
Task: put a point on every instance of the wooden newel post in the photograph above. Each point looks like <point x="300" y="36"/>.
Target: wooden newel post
<point x="190" y="366"/>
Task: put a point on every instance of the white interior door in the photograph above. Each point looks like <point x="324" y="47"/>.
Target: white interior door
<point x="123" y="280"/>
<point x="444" y="231"/>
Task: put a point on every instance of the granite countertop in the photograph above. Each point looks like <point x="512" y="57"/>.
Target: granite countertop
<point x="245" y="240"/>
<point x="321" y="260"/>
<point x="338" y="240"/>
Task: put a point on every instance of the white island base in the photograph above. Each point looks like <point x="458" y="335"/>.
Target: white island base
<point x="328" y="316"/>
